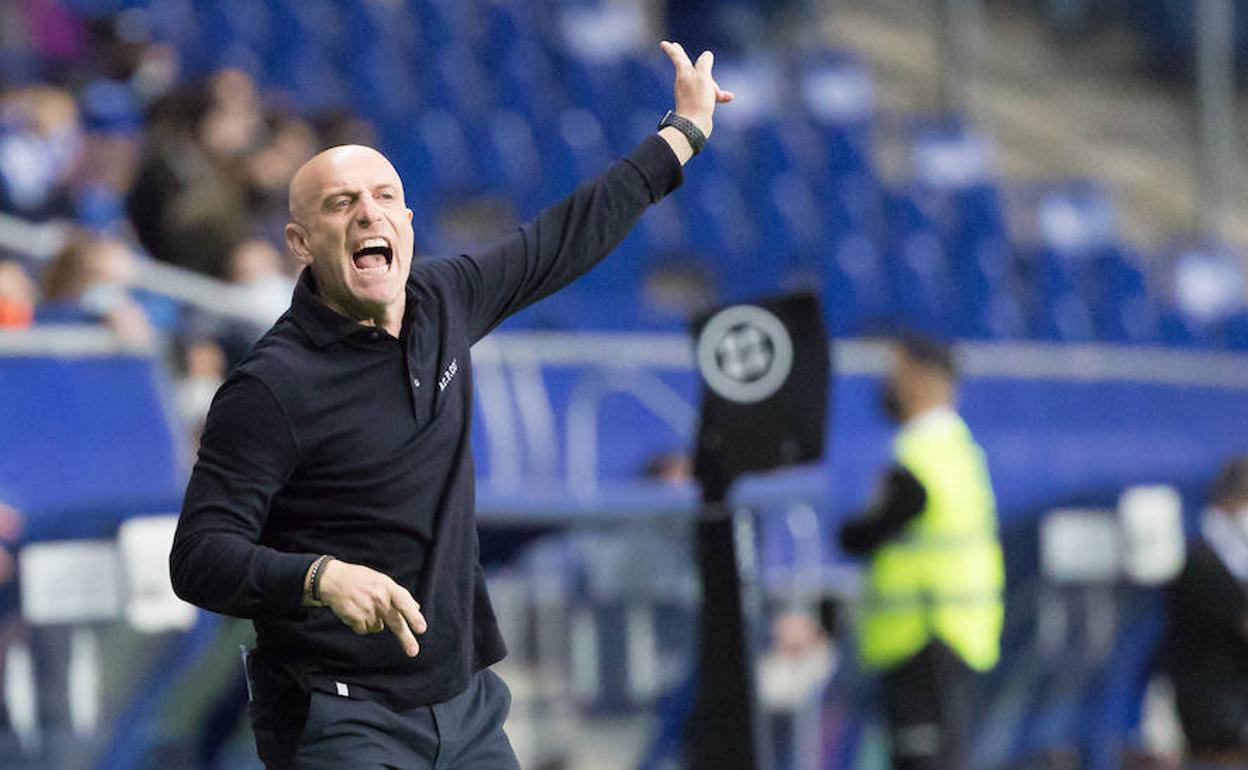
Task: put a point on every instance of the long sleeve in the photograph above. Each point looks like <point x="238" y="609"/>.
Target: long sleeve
<point x="903" y="499"/>
<point x="565" y="240"/>
<point x="246" y="453"/>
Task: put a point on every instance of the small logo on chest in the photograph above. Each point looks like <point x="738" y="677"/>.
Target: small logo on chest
<point x="448" y="375"/>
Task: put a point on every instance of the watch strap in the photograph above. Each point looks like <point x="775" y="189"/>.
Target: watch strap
<point x="696" y="138"/>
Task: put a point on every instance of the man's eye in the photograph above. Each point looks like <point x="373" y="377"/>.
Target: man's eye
<point x="340" y="204"/>
<point x="389" y="196"/>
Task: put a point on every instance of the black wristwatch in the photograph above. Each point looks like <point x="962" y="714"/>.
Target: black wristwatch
<point x="687" y="127"/>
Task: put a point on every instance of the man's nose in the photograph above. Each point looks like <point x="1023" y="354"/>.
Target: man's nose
<point x="368" y="211"/>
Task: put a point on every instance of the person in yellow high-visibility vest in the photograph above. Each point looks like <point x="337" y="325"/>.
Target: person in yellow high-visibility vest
<point x="930" y="616"/>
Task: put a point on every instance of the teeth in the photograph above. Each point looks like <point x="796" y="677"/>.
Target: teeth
<point x="374" y="243"/>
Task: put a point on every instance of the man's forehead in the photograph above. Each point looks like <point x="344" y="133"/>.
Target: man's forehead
<point x="346" y="166"/>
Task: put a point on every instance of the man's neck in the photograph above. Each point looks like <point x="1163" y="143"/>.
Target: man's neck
<point x="390" y="319"/>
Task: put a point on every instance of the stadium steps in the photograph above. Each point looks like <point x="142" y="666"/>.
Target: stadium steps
<point x="1085" y="109"/>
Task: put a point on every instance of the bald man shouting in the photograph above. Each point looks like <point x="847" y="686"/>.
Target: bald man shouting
<point x="332" y="500"/>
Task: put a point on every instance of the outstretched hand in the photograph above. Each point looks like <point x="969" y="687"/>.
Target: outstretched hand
<point x="370" y="602"/>
<point x="697" y="93"/>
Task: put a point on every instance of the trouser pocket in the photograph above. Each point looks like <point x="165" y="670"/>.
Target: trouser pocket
<point x="278" y="711"/>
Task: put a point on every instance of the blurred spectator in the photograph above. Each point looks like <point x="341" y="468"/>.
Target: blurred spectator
<point x="797" y="663"/>
<point x="17" y="295"/>
<point x="265" y="278"/>
<point x="88" y="281"/>
<point x="40" y="142"/>
<point x="10" y="532"/>
<point x="215" y="173"/>
<point x="189" y="202"/>
<point x="341" y="127"/>
<point x="110" y="162"/>
<point x="932" y="609"/>
<point x="205" y="368"/>
<point x="1207" y="646"/>
<point x="269" y="170"/>
<point x="54" y="33"/>
<point x="11" y="529"/>
<point x="259" y="269"/>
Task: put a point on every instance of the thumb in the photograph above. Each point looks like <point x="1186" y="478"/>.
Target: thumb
<point x="704" y="62"/>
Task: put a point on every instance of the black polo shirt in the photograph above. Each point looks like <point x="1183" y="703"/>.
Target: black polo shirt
<point x="333" y="437"/>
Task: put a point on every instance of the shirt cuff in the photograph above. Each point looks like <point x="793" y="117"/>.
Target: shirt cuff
<point x="283" y="579"/>
<point x="658" y="165"/>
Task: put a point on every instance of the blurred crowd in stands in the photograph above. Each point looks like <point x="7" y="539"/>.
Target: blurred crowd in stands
<point x="144" y="162"/>
<point x="169" y="131"/>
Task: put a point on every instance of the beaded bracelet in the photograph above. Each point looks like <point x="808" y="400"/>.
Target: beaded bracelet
<point x="318" y="569"/>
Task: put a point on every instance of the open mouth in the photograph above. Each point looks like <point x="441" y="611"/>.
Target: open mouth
<point x="373" y="255"/>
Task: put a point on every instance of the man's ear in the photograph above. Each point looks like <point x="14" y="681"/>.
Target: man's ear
<point x="297" y="242"/>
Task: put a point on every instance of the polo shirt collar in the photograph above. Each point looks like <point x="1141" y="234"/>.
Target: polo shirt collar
<point x="319" y="321"/>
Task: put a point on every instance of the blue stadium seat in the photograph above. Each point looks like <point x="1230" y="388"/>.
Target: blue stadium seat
<point x="451" y="159"/>
<point x="792" y="231"/>
<point x="851" y="202"/>
<point x="953" y="166"/>
<point x="297" y="58"/>
<point x="839" y="96"/>
<point x="512" y="145"/>
<point x="602" y="88"/>
<point x="649" y="78"/>
<point x="506" y="26"/>
<point x="1176" y="331"/>
<point x="443" y="22"/>
<point x="1207" y="284"/>
<point x="374" y="46"/>
<point x="988" y="303"/>
<point x="791" y="145"/>
<point x="721" y="225"/>
<point x="857" y="298"/>
<point x="574" y="146"/>
<point x="1061" y="311"/>
<point x="1233" y="334"/>
<point x="1079" y="252"/>
<point x="526" y="81"/>
<point x="455" y="81"/>
<point x="917" y="264"/>
<point x="1123" y="309"/>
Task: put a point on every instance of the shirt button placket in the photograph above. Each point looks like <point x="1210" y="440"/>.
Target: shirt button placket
<point x="413" y="359"/>
<point x="416" y="383"/>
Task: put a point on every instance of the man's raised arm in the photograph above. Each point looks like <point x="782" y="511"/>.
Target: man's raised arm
<point x="569" y="238"/>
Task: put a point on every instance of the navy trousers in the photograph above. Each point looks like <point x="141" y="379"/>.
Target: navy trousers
<point x="326" y="731"/>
